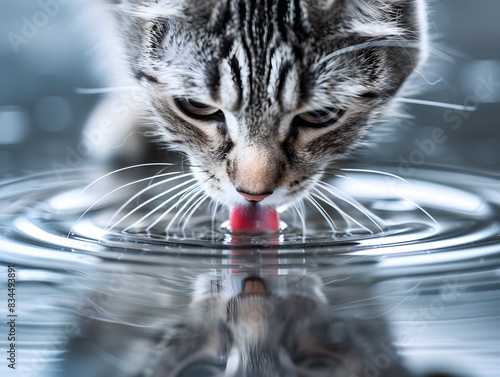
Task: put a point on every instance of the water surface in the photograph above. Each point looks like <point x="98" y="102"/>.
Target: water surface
<point x="413" y="261"/>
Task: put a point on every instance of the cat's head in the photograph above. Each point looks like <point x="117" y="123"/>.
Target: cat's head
<point x="262" y="95"/>
<point x="280" y="329"/>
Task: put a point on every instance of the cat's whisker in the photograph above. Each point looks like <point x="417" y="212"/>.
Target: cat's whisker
<point x="187" y="198"/>
<point x="111" y="89"/>
<point x="150" y="187"/>
<point x="339" y="194"/>
<point x="342" y="213"/>
<point x="389" y="310"/>
<point x="399" y="195"/>
<point x="322" y="211"/>
<point x="436" y="104"/>
<point x="191" y="211"/>
<point x="404" y="44"/>
<point x="157" y="175"/>
<point x="187" y="193"/>
<point x="420" y="73"/>
<point x="164" y="164"/>
<point x="408" y="294"/>
<point x="196" y="188"/>
<point x="446" y="56"/>
<point x="302" y="208"/>
<point x="158" y="207"/>
<point x="361" y="46"/>
<point x="110" y="193"/>
<point x="215" y="205"/>
<point x="131" y="212"/>
<point x="165" y="213"/>
<point x="301" y="214"/>
<point x="371" y="171"/>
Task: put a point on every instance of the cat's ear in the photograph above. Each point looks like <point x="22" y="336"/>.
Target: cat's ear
<point x="370" y="18"/>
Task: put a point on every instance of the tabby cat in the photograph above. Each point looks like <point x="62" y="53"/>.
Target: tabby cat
<point x="234" y="326"/>
<point x="262" y="95"/>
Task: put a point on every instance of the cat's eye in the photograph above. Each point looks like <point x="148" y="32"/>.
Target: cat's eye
<point x="318" y="118"/>
<point x="199" y="110"/>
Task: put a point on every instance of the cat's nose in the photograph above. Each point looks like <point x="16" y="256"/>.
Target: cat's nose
<point x="254" y="286"/>
<point x="254" y="198"/>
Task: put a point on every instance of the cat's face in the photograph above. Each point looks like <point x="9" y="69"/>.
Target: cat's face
<point x="279" y="328"/>
<point x="260" y="332"/>
<point x="263" y="95"/>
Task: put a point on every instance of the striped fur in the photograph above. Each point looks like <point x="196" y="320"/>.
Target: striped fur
<point x="263" y="63"/>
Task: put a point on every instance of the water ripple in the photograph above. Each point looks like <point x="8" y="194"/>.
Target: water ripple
<point x="430" y="214"/>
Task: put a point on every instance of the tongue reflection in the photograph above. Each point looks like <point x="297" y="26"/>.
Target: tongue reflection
<point x="254" y="219"/>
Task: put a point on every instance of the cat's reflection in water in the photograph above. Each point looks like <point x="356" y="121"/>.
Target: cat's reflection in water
<point x="238" y="326"/>
<point x="259" y="332"/>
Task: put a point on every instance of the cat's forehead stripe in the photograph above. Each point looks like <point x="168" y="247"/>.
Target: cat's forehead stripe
<point x="253" y="33"/>
<point x="229" y="87"/>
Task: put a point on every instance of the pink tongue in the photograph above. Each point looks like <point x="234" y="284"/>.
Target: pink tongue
<point x="254" y="219"/>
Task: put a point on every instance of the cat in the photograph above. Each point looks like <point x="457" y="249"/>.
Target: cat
<point x="277" y="327"/>
<point x="262" y="96"/>
<point x="235" y="325"/>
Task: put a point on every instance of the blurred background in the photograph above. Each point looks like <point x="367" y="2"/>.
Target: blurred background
<point x="52" y="49"/>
